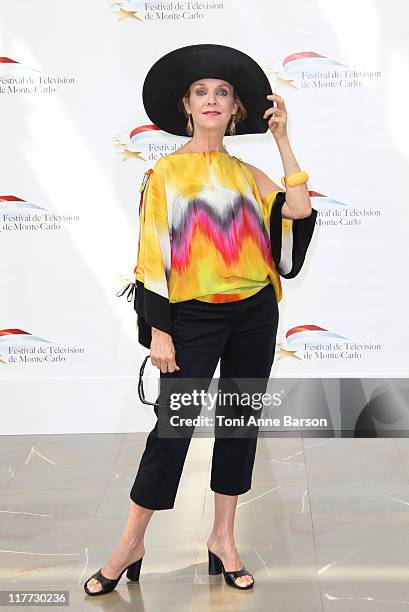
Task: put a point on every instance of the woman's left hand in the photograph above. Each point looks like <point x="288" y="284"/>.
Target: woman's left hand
<point x="278" y="122"/>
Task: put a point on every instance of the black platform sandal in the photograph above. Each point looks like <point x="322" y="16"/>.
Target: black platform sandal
<point x="216" y="567"/>
<point x="109" y="584"/>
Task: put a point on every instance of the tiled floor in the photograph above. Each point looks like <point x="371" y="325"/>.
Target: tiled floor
<point x="324" y="528"/>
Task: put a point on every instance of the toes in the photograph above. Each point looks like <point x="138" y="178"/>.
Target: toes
<point x="244" y="580"/>
<point x="93" y="585"/>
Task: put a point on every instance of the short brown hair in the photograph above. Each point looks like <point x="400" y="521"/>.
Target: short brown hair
<point x="240" y="115"/>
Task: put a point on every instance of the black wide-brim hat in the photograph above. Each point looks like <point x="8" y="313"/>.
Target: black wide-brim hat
<point x="168" y="79"/>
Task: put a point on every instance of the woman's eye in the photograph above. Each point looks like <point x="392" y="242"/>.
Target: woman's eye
<point x="220" y="90"/>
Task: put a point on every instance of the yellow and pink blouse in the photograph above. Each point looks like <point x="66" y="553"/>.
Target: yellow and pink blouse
<point x="206" y="233"/>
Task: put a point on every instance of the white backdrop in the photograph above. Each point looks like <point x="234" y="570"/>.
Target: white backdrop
<point x="75" y="141"/>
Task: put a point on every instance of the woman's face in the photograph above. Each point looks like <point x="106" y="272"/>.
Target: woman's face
<point x="211" y="95"/>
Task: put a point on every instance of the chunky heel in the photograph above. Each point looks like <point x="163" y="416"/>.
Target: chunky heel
<point x="215" y="564"/>
<point x="134" y="570"/>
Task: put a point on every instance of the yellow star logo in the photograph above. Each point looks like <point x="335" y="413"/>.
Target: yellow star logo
<point x="123" y="14"/>
<point x="283" y="353"/>
<point x="127" y="154"/>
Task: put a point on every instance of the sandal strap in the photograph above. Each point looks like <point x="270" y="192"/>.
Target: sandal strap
<point x="105" y="582"/>
<point x="242" y="572"/>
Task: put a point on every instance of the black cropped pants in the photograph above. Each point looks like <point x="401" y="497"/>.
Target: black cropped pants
<point x="242" y="335"/>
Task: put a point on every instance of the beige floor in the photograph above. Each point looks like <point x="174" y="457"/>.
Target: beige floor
<point x="325" y="526"/>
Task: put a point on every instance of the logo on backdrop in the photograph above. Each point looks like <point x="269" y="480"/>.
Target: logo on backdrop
<point x="314" y="343"/>
<point x="20" y="347"/>
<point x="17" y="78"/>
<point x="175" y="12"/>
<point x="20" y="215"/>
<point x="334" y="213"/>
<point x="311" y="70"/>
<point x="147" y="143"/>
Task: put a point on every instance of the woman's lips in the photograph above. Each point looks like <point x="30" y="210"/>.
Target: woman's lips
<point x="212" y="113"/>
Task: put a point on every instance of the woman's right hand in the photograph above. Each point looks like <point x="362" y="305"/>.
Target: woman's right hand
<point x="162" y="351"/>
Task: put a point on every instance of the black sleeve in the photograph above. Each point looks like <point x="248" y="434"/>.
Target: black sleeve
<point x="290" y="238"/>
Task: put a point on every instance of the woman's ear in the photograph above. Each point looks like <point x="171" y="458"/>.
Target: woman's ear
<point x="186" y="105"/>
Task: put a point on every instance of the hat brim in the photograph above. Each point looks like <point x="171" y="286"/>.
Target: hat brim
<point x="168" y="79"/>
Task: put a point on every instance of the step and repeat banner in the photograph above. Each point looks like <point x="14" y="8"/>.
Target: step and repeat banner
<point x="75" y="142"/>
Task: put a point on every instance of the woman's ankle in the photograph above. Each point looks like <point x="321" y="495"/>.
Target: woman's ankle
<point x="131" y="541"/>
<point x="222" y="537"/>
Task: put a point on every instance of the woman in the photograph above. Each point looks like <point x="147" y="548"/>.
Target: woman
<point x="207" y="286"/>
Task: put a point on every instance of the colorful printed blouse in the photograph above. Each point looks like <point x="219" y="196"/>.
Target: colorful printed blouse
<point x="205" y="233"/>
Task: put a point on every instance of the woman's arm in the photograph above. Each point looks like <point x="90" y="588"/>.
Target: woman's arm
<point x="297" y="199"/>
<point x="298" y="203"/>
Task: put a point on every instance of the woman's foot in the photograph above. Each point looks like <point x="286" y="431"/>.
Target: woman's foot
<point x="225" y="549"/>
<point x="126" y="553"/>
